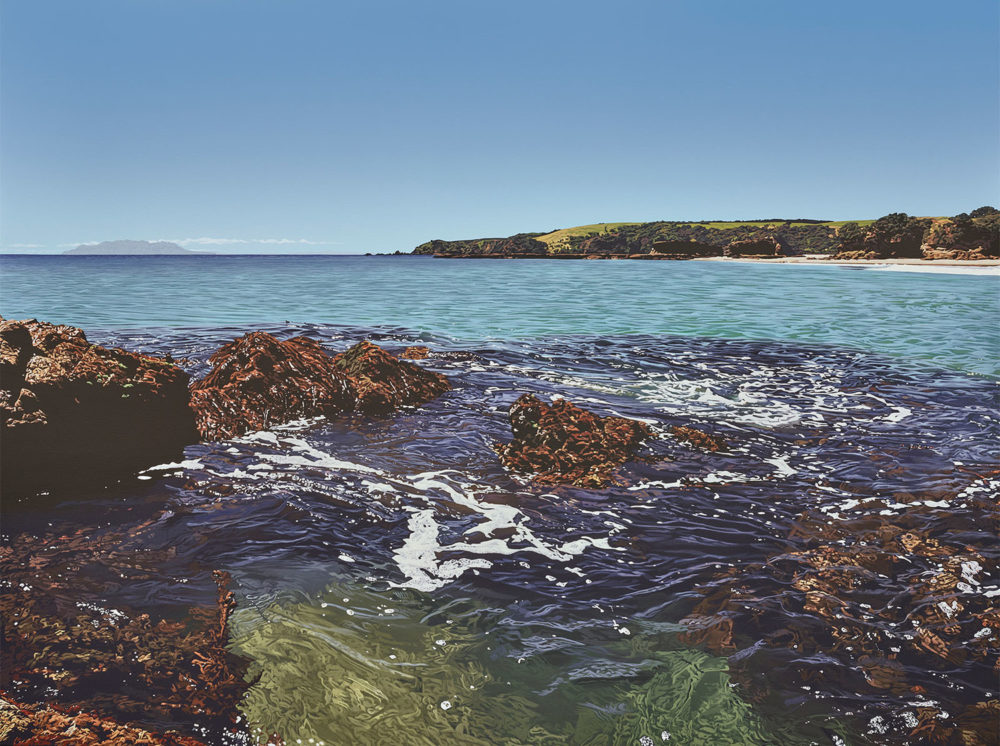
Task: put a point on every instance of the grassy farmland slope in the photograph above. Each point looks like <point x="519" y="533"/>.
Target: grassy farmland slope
<point x="801" y="236"/>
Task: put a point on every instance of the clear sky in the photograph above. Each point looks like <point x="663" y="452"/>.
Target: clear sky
<point x="301" y="126"/>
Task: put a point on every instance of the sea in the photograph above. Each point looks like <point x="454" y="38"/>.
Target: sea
<point x="395" y="584"/>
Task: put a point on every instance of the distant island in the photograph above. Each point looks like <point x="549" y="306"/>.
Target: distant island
<point x="132" y="248"/>
<point x="967" y="236"/>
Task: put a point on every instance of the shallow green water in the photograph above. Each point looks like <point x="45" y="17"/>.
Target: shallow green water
<point x="407" y="668"/>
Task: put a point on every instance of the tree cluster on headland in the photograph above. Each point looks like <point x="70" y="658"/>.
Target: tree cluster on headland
<point x="973" y="235"/>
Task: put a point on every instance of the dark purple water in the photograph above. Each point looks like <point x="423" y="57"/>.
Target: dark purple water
<point x="581" y="601"/>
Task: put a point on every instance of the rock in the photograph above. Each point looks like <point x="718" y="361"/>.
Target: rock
<point x="258" y="381"/>
<point x="769" y="246"/>
<point x="699" y="439"/>
<point x="72" y="411"/>
<point x="14" y="724"/>
<point x="685" y="249"/>
<point x="161" y="664"/>
<point x="415" y="353"/>
<point x="42" y="724"/>
<point x="564" y="444"/>
<point x="854" y="255"/>
<point x="383" y="383"/>
<point x="897" y="235"/>
<point x="931" y="253"/>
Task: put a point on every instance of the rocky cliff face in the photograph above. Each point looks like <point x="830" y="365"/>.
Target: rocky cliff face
<point x="685" y="248"/>
<point x="698" y="239"/>
<point x="72" y="411"/>
<point x="764" y="246"/>
<point x="522" y="243"/>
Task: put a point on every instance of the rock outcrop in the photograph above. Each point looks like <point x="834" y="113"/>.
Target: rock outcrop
<point x="682" y="249"/>
<point x="31" y="725"/>
<point x="415" y="353"/>
<point x="762" y="247"/>
<point x="965" y="255"/>
<point x="699" y="439"/>
<point x="258" y="381"/>
<point x="72" y="411"/>
<point x="894" y="236"/>
<point x="383" y="383"/>
<point x="560" y="443"/>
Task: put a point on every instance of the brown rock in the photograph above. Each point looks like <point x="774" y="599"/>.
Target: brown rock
<point x="258" y="381"/>
<point x="699" y="439"/>
<point x="71" y="410"/>
<point x="107" y="668"/>
<point x="415" y="353"/>
<point x="41" y="725"/>
<point x="931" y="253"/>
<point x="564" y="444"/>
<point x="763" y="247"/>
<point x="383" y="383"/>
<point x="14" y="722"/>
<point x="685" y="249"/>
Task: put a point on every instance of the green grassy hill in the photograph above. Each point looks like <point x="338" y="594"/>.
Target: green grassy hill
<point x="796" y="236"/>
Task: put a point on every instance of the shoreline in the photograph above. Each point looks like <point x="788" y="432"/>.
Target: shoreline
<point x="942" y="266"/>
<point x="935" y="266"/>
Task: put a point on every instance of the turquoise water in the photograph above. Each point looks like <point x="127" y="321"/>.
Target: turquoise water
<point x="947" y="320"/>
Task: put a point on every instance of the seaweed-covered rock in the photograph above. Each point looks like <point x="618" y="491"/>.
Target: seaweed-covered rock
<point x="112" y="667"/>
<point x="415" y="353"/>
<point x="893" y="596"/>
<point x="384" y="383"/>
<point x="71" y="410"/>
<point x="563" y="444"/>
<point x="38" y="725"/>
<point x="259" y="381"/>
<point x="699" y="439"/>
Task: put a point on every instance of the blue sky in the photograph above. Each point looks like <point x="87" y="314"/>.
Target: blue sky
<point x="297" y="126"/>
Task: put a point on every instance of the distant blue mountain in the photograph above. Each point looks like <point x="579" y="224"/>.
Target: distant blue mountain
<point x="135" y="248"/>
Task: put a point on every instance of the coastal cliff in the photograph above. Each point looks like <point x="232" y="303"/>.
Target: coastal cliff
<point x="972" y="235"/>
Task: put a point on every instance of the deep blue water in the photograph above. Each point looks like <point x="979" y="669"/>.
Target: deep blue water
<point x="946" y="320"/>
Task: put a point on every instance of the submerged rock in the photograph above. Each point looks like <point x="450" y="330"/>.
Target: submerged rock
<point x="33" y="725"/>
<point x="564" y="444"/>
<point x="259" y="381"/>
<point x="699" y="439"/>
<point x="383" y="383"/>
<point x="891" y="596"/>
<point x="107" y="669"/>
<point x="71" y="410"/>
